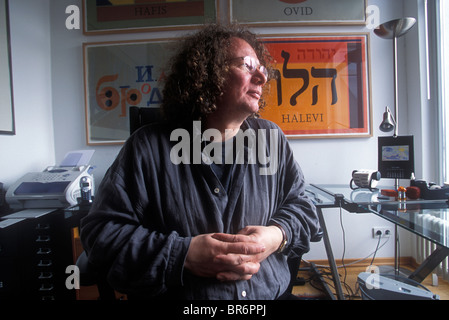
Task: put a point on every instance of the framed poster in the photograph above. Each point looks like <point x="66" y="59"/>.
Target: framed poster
<point x="321" y="87"/>
<point x="7" y="125"/>
<point x="297" y="12"/>
<point x="117" y="76"/>
<point x="115" y="16"/>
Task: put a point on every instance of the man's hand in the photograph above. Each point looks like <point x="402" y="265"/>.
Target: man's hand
<point x="203" y="258"/>
<point x="270" y="237"/>
<point x="232" y="257"/>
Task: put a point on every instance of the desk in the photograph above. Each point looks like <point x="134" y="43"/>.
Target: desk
<point x="426" y="218"/>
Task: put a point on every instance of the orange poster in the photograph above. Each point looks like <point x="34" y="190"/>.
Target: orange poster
<point x="320" y="87"/>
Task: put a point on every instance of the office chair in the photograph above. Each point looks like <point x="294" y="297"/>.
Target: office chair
<point x="294" y="262"/>
<point x="293" y="266"/>
<point x="140" y="116"/>
<point x="89" y="277"/>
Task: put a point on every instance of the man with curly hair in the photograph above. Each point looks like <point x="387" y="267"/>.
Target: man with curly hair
<point x="210" y="230"/>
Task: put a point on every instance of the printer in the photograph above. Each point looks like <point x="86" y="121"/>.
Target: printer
<point x="55" y="187"/>
<point x="374" y="286"/>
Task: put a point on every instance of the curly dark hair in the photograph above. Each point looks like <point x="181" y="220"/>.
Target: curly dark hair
<point x="198" y="72"/>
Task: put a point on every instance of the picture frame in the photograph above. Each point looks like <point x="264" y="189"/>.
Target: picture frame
<point x="7" y="121"/>
<point x="320" y="86"/>
<point x="118" y="75"/>
<point x="105" y="16"/>
<point x="297" y="12"/>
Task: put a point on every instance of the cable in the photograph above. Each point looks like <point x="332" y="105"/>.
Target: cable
<point x="350" y="293"/>
<point x="375" y="251"/>
<point x="344" y="244"/>
<point x="325" y="276"/>
<point x="354" y="262"/>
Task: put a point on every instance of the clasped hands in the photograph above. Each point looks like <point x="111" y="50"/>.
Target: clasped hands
<point x="232" y="257"/>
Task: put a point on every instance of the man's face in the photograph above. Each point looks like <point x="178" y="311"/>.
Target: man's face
<point x="243" y="88"/>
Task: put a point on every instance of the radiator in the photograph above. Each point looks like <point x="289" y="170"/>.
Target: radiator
<point x="437" y="224"/>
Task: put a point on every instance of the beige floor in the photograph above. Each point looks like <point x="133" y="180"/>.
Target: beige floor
<point x="313" y="289"/>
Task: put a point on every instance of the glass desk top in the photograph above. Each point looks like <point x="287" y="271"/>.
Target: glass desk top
<point x="430" y="221"/>
<point x="426" y="218"/>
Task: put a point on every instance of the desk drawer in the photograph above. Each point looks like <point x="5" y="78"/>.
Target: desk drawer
<point x="8" y="246"/>
<point x="9" y="278"/>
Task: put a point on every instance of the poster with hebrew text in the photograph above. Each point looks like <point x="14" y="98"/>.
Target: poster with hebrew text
<point x="320" y="87"/>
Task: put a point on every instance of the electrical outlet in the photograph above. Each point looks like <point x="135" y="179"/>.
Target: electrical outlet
<point x="382" y="231"/>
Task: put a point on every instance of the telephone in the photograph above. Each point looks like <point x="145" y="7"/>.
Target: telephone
<point x="431" y="191"/>
<point x="365" y="179"/>
<point x="86" y="190"/>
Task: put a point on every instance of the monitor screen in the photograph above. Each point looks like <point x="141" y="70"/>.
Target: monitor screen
<point x="396" y="157"/>
<point x="395" y="153"/>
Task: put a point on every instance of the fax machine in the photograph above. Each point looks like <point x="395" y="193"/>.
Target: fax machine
<point x="55" y="187"/>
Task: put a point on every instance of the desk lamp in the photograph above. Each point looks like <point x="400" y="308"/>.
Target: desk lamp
<point x="388" y="122"/>
<point x="393" y="30"/>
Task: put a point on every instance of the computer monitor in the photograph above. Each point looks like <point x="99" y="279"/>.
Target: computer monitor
<point x="396" y="157"/>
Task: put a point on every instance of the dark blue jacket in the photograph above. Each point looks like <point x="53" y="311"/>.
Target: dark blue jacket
<point x="147" y="209"/>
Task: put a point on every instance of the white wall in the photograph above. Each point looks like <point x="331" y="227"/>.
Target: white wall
<point x="54" y="54"/>
<point x="32" y="148"/>
<point x="332" y="164"/>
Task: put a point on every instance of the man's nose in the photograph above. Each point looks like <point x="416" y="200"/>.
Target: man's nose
<point x="260" y="77"/>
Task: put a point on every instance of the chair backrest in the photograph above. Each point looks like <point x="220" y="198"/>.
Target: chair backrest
<point x="140" y="116"/>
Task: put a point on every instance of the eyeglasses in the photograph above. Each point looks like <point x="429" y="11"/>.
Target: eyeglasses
<point x="251" y="65"/>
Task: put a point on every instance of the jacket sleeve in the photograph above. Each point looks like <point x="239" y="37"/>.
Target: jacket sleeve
<point x="296" y="212"/>
<point x="135" y="257"/>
